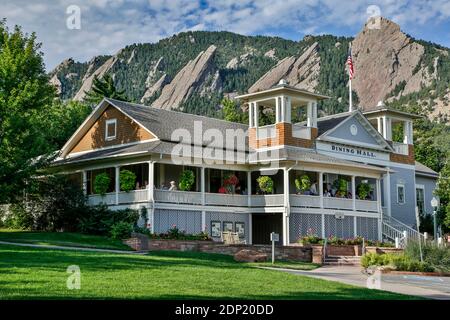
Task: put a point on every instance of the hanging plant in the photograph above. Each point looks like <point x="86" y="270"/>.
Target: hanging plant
<point x="265" y="184"/>
<point x="363" y="190"/>
<point x="127" y="180"/>
<point x="187" y="180"/>
<point x="229" y="183"/>
<point x="341" y="187"/>
<point x="303" y="183"/>
<point x="101" y="183"/>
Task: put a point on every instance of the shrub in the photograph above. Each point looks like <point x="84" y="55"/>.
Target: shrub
<point x="121" y="230"/>
<point x="399" y="262"/>
<point x="341" y="187"/>
<point x="99" y="219"/>
<point x="434" y="256"/>
<point x="127" y="180"/>
<point x="265" y="184"/>
<point x="187" y="180"/>
<point x="52" y="203"/>
<point x="101" y="183"/>
<point x="303" y="183"/>
<point x="311" y="239"/>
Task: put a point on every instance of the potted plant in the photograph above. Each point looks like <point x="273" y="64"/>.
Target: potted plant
<point x="127" y="180"/>
<point x="265" y="184"/>
<point x="187" y="180"/>
<point x="303" y="184"/>
<point x="341" y="187"/>
<point x="101" y="183"/>
<point x="229" y="183"/>
<point x="363" y="190"/>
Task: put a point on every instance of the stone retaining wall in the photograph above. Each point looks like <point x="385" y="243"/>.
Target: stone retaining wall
<point x="297" y="253"/>
<point x="381" y="250"/>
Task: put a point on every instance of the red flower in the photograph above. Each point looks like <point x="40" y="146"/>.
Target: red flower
<point x="222" y="190"/>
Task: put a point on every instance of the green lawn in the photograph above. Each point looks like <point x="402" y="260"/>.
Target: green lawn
<point x="61" y="239"/>
<point x="32" y="273"/>
<point x="295" y="265"/>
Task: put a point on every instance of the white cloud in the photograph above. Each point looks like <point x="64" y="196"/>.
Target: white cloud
<point x="109" y="25"/>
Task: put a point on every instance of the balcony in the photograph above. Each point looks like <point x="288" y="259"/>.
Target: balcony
<point x="267" y="132"/>
<point x="302" y="132"/>
<point x="400" y="148"/>
<point x="269" y="200"/>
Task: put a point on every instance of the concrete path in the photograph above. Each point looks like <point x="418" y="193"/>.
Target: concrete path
<point x="44" y="246"/>
<point x="423" y="286"/>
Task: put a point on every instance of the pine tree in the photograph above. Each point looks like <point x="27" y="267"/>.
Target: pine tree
<point x="104" y="88"/>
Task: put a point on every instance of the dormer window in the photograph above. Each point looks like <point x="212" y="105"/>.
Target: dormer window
<point x="111" y="129"/>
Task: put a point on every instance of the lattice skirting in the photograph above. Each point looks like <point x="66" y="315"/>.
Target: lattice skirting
<point x="227" y="217"/>
<point x="188" y="221"/>
<point x="300" y="224"/>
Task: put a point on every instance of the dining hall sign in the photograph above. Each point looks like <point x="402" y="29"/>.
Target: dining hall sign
<point x="353" y="151"/>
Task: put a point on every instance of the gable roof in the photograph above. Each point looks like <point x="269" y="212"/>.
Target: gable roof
<point x="423" y="170"/>
<point x="328" y="126"/>
<point x="159" y="122"/>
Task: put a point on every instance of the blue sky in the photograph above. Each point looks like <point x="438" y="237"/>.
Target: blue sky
<point x="109" y="25"/>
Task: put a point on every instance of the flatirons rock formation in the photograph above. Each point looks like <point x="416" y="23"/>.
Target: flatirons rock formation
<point x="384" y="58"/>
<point x="188" y="80"/>
<point x="299" y="72"/>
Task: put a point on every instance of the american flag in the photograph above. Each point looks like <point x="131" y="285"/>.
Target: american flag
<point x="349" y="63"/>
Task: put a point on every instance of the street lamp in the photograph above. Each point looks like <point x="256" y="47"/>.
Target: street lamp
<point x="434" y="204"/>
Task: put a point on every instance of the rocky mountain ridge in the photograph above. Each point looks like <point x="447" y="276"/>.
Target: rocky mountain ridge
<point x="201" y="67"/>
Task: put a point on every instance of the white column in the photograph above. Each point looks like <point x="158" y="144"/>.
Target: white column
<point x="288" y="108"/>
<point x="380" y="211"/>
<point x="387" y="193"/>
<point x="250" y="115"/>
<point x="250" y="233"/>
<point x="407" y="132"/>
<point x="309" y="120"/>
<point x="151" y="181"/>
<point x="314" y="114"/>
<point x="202" y="185"/>
<point x="321" y="188"/>
<point x="354" y="193"/>
<point x="384" y="119"/>
<point x="249" y="188"/>
<point x="286" y="208"/>
<point x="323" y="226"/>
<point x="255" y="115"/>
<point x="355" y="226"/>
<point x="84" y="182"/>
<point x="388" y="129"/>
<point x="117" y="186"/>
<point x="380" y="126"/>
<point x="277" y="109"/>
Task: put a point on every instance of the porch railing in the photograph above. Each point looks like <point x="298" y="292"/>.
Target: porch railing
<point x="185" y="197"/>
<point x="265" y="132"/>
<point x="301" y="132"/>
<point x="367" y="205"/>
<point x="95" y="199"/>
<point x="133" y="196"/>
<point x="400" y="148"/>
<point x="268" y="200"/>
<point x="338" y="203"/>
<point x="218" y="199"/>
<point x="304" y="201"/>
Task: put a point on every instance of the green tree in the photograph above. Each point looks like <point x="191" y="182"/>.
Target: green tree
<point x="230" y="111"/>
<point x="25" y="98"/>
<point x="102" y="88"/>
<point x="443" y="191"/>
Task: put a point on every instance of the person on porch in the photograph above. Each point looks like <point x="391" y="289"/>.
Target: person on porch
<point x="173" y="186"/>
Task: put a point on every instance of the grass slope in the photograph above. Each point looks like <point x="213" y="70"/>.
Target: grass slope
<point x="30" y="273"/>
<point x="61" y="239"/>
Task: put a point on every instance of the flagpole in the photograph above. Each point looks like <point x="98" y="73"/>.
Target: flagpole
<point x="350" y="100"/>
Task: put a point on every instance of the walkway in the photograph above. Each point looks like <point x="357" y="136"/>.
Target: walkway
<point x="423" y="286"/>
<point x="44" y="246"/>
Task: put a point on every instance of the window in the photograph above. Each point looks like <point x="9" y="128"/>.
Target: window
<point x="420" y="199"/>
<point x="400" y="194"/>
<point x="111" y="129"/>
